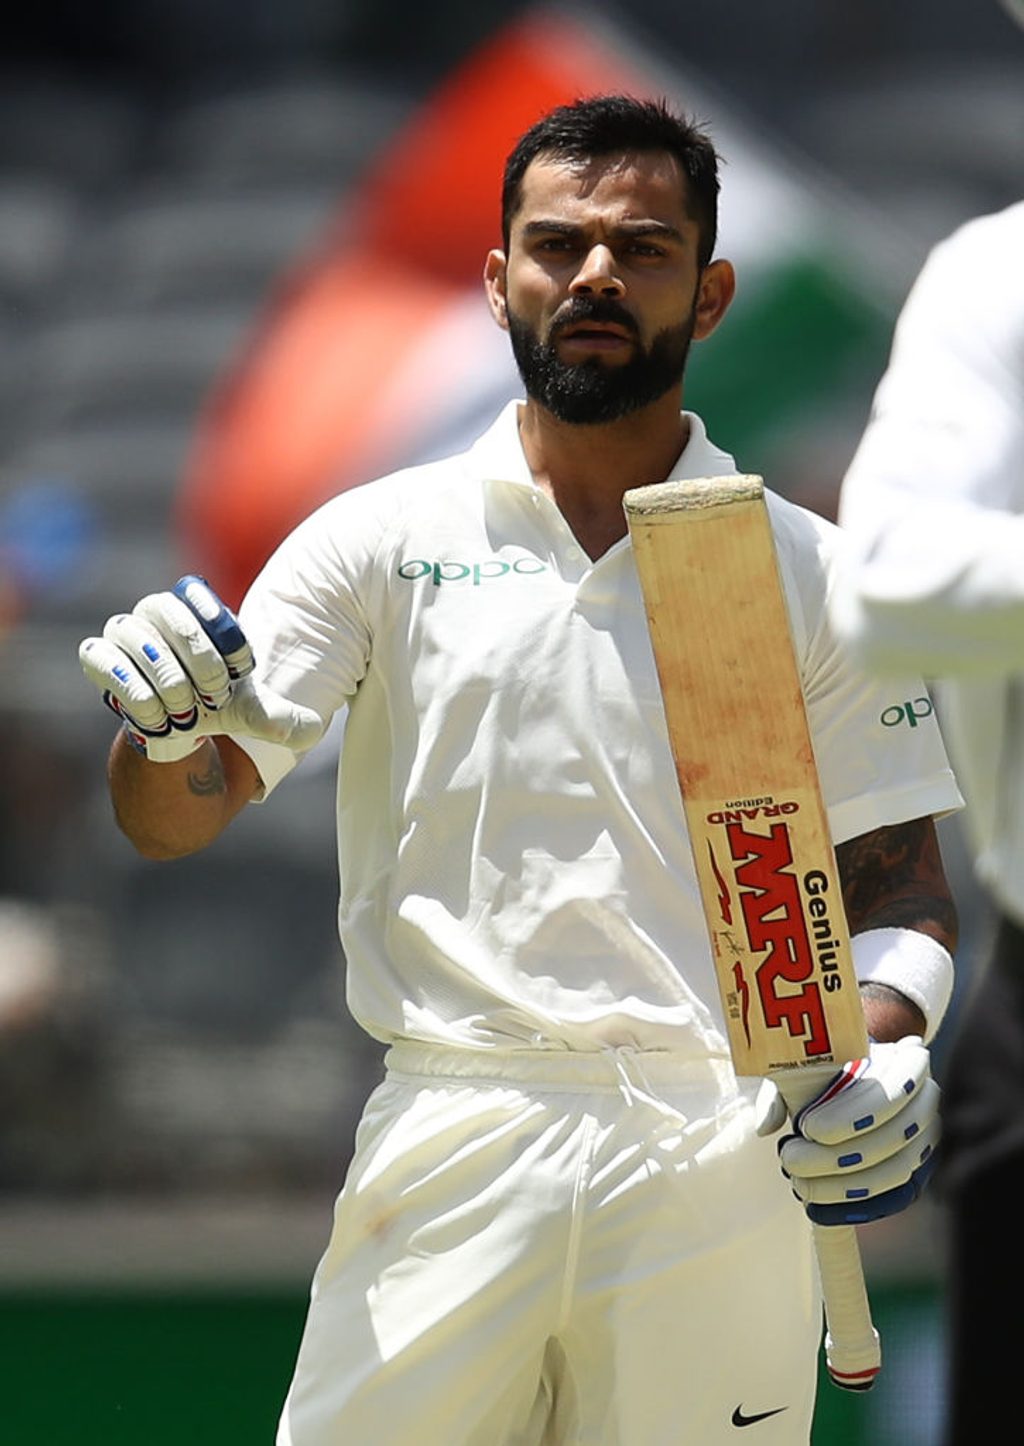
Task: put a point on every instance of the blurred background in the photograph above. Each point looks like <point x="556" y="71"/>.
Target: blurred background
<point x="240" y="243"/>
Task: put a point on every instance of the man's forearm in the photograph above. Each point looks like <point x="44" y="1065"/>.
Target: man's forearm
<point x="168" y="810"/>
<point x="894" y="882"/>
<point x="893" y="878"/>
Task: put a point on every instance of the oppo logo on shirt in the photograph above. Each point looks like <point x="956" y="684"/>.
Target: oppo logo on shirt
<point x="909" y="712"/>
<point x="471" y="573"/>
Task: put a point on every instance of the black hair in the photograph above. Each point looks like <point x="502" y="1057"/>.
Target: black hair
<point x="601" y="125"/>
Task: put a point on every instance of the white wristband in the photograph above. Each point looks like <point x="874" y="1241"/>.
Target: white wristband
<point x="914" y="964"/>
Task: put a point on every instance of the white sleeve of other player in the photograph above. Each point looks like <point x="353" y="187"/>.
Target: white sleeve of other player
<point x="934" y="497"/>
<point x="880" y="756"/>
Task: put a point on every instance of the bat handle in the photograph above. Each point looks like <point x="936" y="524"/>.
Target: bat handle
<point x="852" y="1349"/>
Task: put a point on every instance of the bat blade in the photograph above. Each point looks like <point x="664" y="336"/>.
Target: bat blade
<point x="737" y="723"/>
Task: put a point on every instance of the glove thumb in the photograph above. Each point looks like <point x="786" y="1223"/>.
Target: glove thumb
<point x="257" y="712"/>
<point x="770" y="1112"/>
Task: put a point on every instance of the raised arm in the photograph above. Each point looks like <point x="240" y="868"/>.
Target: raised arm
<point x="179" y="671"/>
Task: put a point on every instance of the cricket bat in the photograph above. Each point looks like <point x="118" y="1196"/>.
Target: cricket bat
<point x="769" y="884"/>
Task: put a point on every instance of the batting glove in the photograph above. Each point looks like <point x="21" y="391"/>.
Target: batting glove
<point x="177" y="669"/>
<point x="864" y="1149"/>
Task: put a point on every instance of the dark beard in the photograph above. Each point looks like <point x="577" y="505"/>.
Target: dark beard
<point x="593" y="392"/>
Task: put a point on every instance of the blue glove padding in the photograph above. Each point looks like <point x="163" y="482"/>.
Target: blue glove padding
<point x="875" y="1207"/>
<point x="864" y="1149"/>
<point x="177" y="669"/>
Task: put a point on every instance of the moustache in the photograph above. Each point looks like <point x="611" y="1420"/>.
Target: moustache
<point x="597" y="309"/>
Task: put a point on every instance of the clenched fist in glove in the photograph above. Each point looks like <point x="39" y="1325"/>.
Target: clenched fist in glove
<point x="177" y="669"/>
<point x="864" y="1148"/>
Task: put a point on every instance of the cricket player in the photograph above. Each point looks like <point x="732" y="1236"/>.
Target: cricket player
<point x="934" y="504"/>
<point x="565" y="1220"/>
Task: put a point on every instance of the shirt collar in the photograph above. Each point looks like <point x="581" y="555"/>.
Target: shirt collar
<point x="497" y="455"/>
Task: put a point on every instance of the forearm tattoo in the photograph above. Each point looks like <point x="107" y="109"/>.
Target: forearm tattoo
<point x="893" y="878"/>
<point x="211" y="780"/>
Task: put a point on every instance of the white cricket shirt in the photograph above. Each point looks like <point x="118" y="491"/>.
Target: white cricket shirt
<point x="514" y="863"/>
<point x="933" y="504"/>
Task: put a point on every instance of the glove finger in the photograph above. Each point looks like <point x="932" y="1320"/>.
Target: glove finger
<point x="153" y="656"/>
<point x="894" y="1074"/>
<point x="808" y="1158"/>
<point x="257" y="712"/>
<point x="863" y="1184"/>
<point x="182" y="631"/>
<point x="125" y="689"/>
<point x="770" y="1112"/>
<point x="218" y="623"/>
<point x="890" y="1202"/>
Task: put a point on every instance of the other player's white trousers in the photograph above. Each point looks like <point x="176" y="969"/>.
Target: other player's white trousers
<point x="538" y="1248"/>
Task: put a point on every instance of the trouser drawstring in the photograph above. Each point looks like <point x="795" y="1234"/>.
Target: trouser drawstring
<point x="635" y="1086"/>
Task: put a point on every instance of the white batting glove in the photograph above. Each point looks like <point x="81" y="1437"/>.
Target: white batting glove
<point x="177" y="669"/>
<point x="864" y="1149"/>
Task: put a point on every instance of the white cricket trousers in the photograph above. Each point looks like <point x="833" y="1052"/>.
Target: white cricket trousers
<point x="559" y="1249"/>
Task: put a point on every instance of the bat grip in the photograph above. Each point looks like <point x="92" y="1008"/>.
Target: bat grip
<point x="852" y="1348"/>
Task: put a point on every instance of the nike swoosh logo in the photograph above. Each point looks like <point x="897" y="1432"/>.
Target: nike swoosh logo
<point x="739" y="1419"/>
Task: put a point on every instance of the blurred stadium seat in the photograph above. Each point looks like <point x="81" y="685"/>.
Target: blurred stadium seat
<point x="84" y="134"/>
<point x="175" y="245"/>
<point x="37" y="229"/>
<point x="296" y="129"/>
<point x="117" y="365"/>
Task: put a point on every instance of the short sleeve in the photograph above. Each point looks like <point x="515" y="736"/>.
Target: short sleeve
<point x="307" y="616"/>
